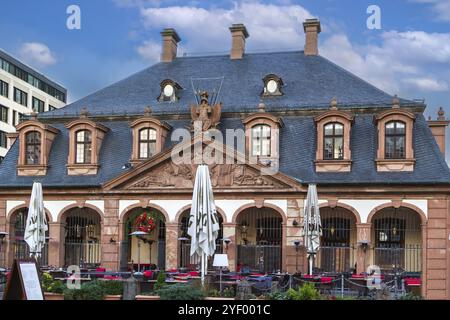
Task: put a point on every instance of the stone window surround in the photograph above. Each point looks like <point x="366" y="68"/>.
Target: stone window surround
<point x="48" y="134"/>
<point x="162" y="130"/>
<point x="278" y="80"/>
<point x="98" y="132"/>
<point x="274" y="123"/>
<point x="389" y="165"/>
<point x="345" y="119"/>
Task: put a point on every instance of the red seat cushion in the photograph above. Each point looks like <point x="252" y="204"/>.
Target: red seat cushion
<point x="111" y="278"/>
<point x="148" y="274"/>
<point x="308" y="276"/>
<point x="194" y="273"/>
<point x="326" y="279"/>
<point x="413" y="281"/>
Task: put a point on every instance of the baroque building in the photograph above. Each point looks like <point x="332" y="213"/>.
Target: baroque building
<point x="383" y="183"/>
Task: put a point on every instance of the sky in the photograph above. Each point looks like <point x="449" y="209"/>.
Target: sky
<point x="409" y="55"/>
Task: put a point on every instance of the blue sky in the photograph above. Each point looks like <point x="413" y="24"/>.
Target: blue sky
<point x="409" y="56"/>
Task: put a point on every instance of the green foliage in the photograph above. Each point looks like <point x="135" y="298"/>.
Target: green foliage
<point x="228" y="293"/>
<point x="160" y="281"/>
<point x="94" y="290"/>
<point x="50" y="285"/>
<point x="214" y="293"/>
<point x="411" y="296"/>
<point x="180" y="292"/>
<point x="114" y="288"/>
<point x="309" y="292"/>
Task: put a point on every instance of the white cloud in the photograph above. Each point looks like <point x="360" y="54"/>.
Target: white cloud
<point x="150" y="51"/>
<point x="440" y="7"/>
<point x="407" y="63"/>
<point x="270" y="26"/>
<point x="37" y="53"/>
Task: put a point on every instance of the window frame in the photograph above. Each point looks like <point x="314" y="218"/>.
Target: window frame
<point x="40" y="104"/>
<point x="334" y="136"/>
<point x="37" y="148"/>
<point x="4" y="87"/>
<point x="261" y="141"/>
<point x="396" y="154"/>
<point x="148" y="142"/>
<point x="4" y="113"/>
<point x="23" y="97"/>
<point x="86" y="144"/>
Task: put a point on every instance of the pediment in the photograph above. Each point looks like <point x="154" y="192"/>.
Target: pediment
<point x="162" y="173"/>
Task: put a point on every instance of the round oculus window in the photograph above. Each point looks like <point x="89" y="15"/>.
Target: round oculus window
<point x="272" y="86"/>
<point x="168" y="90"/>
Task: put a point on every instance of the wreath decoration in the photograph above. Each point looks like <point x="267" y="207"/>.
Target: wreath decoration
<point x="146" y="222"/>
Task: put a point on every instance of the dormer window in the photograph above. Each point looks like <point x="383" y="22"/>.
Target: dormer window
<point x="334" y="141"/>
<point x="86" y="138"/>
<point x="83" y="147"/>
<point x="36" y="141"/>
<point x="33" y="148"/>
<point x="261" y="136"/>
<point x="395" y="139"/>
<point x="272" y="85"/>
<point x="169" y="91"/>
<point x="147" y="143"/>
<point x="149" y="135"/>
<point x="333" y="152"/>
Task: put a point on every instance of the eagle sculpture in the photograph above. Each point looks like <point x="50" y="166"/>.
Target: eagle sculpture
<point x="209" y="116"/>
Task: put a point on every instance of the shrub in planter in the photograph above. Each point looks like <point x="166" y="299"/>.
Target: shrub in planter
<point x="309" y="292"/>
<point x="160" y="281"/>
<point x="180" y="292"/>
<point x="92" y="290"/>
<point x="112" y="288"/>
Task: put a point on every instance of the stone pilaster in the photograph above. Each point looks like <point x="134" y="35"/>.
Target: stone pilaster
<point x="229" y="232"/>
<point x="55" y="245"/>
<point x="110" y="235"/>
<point x="435" y="270"/>
<point x="3" y="228"/>
<point x="172" y="230"/>
<point x="294" y="260"/>
<point x="362" y="257"/>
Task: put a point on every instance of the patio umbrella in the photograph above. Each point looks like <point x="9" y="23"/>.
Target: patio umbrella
<point x="36" y="225"/>
<point x="203" y="221"/>
<point x="312" y="226"/>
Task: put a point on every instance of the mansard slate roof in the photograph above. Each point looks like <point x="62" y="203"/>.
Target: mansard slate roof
<point x="310" y="83"/>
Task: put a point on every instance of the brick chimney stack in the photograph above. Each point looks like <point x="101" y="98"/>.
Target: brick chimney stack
<point x="170" y="41"/>
<point x="438" y="128"/>
<point x="238" y="35"/>
<point x="312" y="29"/>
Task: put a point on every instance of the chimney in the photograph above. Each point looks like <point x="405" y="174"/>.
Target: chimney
<point x="170" y="41"/>
<point x="238" y="35"/>
<point x="438" y="128"/>
<point x="312" y="30"/>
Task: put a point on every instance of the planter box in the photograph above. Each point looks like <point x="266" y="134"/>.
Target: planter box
<point x="113" y="297"/>
<point x="148" y="298"/>
<point x="218" y="298"/>
<point x="53" y="296"/>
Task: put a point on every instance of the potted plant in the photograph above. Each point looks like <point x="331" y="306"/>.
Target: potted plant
<point x="226" y="294"/>
<point x="181" y="292"/>
<point x="160" y="283"/>
<point x="53" y="289"/>
<point x="112" y="289"/>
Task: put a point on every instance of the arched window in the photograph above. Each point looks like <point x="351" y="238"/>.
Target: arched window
<point x="261" y="136"/>
<point x="33" y="148"/>
<point x="147" y="143"/>
<point x="333" y="141"/>
<point x="395" y="140"/>
<point x="83" y="147"/>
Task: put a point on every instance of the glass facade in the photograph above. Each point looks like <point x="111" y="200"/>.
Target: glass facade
<point x="35" y="82"/>
<point x="4" y="88"/>
<point x="21" y="97"/>
<point x="38" y="105"/>
<point x="4" y="114"/>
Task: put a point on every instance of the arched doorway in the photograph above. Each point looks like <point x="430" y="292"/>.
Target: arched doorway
<point x="20" y="248"/>
<point x="397" y="239"/>
<point x="82" y="237"/>
<point x="259" y="236"/>
<point x="184" y="243"/>
<point x="152" y="251"/>
<point x="337" y="244"/>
